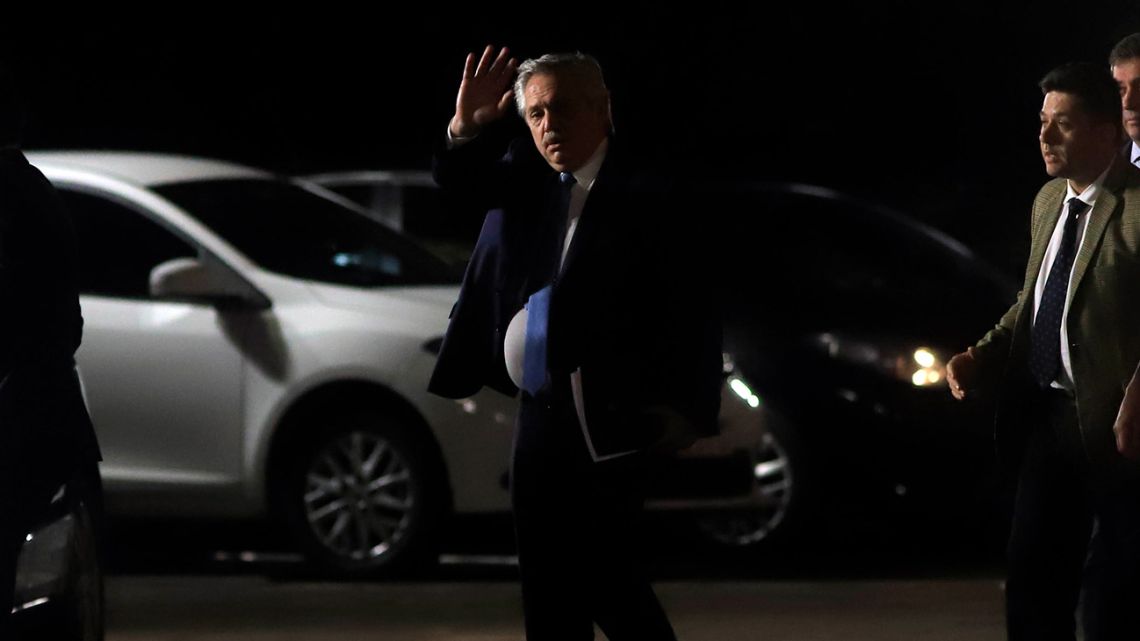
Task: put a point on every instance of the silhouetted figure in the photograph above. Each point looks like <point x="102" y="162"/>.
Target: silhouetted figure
<point x="46" y="436"/>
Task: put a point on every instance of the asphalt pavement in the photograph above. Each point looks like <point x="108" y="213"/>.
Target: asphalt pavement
<point x="873" y="582"/>
<point x="253" y="608"/>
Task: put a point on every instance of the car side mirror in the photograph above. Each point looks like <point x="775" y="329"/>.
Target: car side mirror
<point x="194" y="280"/>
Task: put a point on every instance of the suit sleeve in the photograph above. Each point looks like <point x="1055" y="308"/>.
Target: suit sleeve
<point x="992" y="351"/>
<point x="479" y="171"/>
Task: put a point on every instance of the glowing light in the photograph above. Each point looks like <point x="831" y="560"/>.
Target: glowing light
<point x="740" y="388"/>
<point x="729" y="366"/>
<point x="924" y="357"/>
<point x="924" y="377"/>
<point x="743" y="391"/>
<point x="769" y="468"/>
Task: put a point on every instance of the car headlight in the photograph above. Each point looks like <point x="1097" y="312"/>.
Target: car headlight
<point x="919" y="365"/>
<point x="736" y="383"/>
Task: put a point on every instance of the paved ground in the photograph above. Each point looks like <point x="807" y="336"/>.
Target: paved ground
<point x="872" y="584"/>
<point x="248" y="608"/>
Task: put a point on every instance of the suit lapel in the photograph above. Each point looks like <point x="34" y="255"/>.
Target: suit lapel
<point x="1102" y="212"/>
<point x="1044" y="231"/>
<point x="588" y="220"/>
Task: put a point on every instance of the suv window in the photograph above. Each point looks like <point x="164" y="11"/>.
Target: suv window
<point x="118" y="246"/>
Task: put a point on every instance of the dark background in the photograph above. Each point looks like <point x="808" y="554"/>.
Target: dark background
<point x="927" y="107"/>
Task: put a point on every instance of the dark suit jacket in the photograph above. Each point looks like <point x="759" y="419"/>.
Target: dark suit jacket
<point x="1104" y="314"/>
<point x="45" y="432"/>
<point x="630" y="306"/>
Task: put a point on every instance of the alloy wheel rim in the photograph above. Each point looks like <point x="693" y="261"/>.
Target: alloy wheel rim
<point x="359" y="497"/>
<point x="773" y="486"/>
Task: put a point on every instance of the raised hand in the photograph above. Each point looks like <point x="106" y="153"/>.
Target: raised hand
<point x="485" y="92"/>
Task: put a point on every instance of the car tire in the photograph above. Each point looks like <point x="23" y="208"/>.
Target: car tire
<point x="782" y="482"/>
<point x="364" y="496"/>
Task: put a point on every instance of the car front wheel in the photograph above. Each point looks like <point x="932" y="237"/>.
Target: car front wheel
<point x="780" y="491"/>
<point x="365" y="497"/>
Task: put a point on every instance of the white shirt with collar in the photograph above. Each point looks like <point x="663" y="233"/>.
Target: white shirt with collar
<point x="1088" y="196"/>
<point x="584" y="179"/>
<point x="1134" y="154"/>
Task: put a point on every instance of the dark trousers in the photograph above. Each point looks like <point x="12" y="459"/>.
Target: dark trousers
<point x="578" y="525"/>
<point x="1074" y="541"/>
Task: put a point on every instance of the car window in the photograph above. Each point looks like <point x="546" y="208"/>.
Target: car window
<point x="289" y="230"/>
<point x="825" y="260"/>
<point x="118" y="246"/>
<point x="366" y="195"/>
<point x="445" y="225"/>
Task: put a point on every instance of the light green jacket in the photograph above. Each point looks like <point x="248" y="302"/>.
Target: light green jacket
<point x="1103" y="321"/>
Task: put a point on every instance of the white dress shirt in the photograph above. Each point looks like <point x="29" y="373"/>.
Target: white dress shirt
<point x="1088" y="196"/>
<point x="1135" y="154"/>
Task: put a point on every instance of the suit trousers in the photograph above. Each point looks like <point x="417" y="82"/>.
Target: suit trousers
<point x="578" y="529"/>
<point x="1075" y="538"/>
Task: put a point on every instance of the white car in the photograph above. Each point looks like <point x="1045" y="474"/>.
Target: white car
<point x="255" y="346"/>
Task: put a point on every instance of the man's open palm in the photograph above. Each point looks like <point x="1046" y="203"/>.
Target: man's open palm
<point x="485" y="92"/>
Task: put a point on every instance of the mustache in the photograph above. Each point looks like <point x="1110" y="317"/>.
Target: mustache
<point x="551" y="137"/>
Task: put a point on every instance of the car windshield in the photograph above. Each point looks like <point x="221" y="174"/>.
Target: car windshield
<point x="289" y="230"/>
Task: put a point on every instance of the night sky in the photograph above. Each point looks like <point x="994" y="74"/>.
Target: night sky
<point x="930" y="111"/>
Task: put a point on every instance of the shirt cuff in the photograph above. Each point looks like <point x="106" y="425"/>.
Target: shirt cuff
<point x="454" y="141"/>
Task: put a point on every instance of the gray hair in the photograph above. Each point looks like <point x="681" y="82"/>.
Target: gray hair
<point x="577" y="64"/>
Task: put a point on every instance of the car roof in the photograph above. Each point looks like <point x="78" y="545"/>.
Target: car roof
<point x="398" y="177"/>
<point x="143" y="168"/>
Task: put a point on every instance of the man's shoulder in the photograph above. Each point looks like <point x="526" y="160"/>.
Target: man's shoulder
<point x="1052" y="188"/>
<point x="1131" y="181"/>
<point x="1050" y="193"/>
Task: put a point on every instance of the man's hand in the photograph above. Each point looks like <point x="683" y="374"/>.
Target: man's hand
<point x="484" y="93"/>
<point x="1127" y="426"/>
<point x="962" y="373"/>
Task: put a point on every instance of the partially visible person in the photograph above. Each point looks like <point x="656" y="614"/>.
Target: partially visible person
<point x="1124" y="62"/>
<point x="46" y="437"/>
<point x="1058" y="362"/>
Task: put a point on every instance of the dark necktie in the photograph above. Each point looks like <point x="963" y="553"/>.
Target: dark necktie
<point x="1045" y="353"/>
<point x="538" y="305"/>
